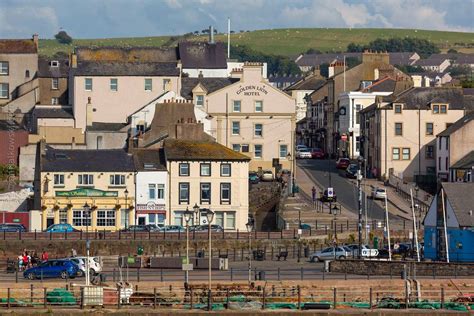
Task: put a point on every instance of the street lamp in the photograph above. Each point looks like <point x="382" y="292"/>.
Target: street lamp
<point x="196" y="212"/>
<point x="334" y="210"/>
<point x="210" y="217"/>
<point x="187" y="218"/>
<point x="87" y="209"/>
<point x="249" y="226"/>
<point x="292" y="170"/>
<point x="127" y="211"/>
<point x="360" y="160"/>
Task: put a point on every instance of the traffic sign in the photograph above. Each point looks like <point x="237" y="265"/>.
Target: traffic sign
<point x="330" y="192"/>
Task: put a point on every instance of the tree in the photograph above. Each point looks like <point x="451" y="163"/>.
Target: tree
<point x="421" y="46"/>
<point x="63" y="38"/>
<point x="313" y="51"/>
<point x="461" y="70"/>
<point x="452" y="51"/>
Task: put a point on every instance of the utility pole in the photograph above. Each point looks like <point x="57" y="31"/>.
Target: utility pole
<point x="359" y="187"/>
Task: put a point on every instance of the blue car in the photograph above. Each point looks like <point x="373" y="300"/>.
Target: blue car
<point x="61" y="228"/>
<point x="63" y="268"/>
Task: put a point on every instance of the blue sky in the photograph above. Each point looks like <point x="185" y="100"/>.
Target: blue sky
<point x="124" y="18"/>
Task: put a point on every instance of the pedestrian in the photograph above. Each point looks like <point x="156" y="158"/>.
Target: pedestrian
<point x="44" y="256"/>
<point x="73" y="252"/>
<point x="313" y="192"/>
<point x="25" y="259"/>
<point x="20" y="263"/>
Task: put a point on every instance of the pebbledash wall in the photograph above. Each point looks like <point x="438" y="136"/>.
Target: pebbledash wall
<point x="254" y="118"/>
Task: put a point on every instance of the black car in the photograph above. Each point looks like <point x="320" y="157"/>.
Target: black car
<point x="12" y="227"/>
<point x="326" y="198"/>
<point x="351" y="171"/>
<point x="141" y="228"/>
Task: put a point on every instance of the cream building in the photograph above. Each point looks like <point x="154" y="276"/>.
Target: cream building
<point x="401" y="131"/>
<point x="254" y="118"/>
<point x="104" y="179"/>
<point x="209" y="175"/>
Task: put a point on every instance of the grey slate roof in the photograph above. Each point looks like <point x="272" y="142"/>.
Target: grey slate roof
<point x="458" y="124"/>
<point x="459" y="195"/>
<point x="204" y="55"/>
<point x="112" y="68"/>
<point x="154" y="158"/>
<point x="105" y="127"/>
<point x="44" y="112"/>
<point x="185" y="150"/>
<point x="313" y="60"/>
<point x="425" y="95"/>
<point x="46" y="71"/>
<point x="431" y="61"/>
<point x="211" y="85"/>
<point x="312" y="82"/>
<point x="466" y="162"/>
<point x="386" y="84"/>
<point x="401" y="58"/>
<point x="71" y="160"/>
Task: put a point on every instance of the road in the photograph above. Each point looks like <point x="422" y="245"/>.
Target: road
<point x="323" y="171"/>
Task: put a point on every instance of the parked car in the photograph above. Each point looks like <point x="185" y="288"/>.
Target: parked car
<point x="253" y="178"/>
<point x="301" y="147"/>
<point x="341" y="252"/>
<point x="317" y="153"/>
<point x="343" y="163"/>
<point x="267" y="175"/>
<point x="379" y="194"/>
<point x="205" y="228"/>
<point x="174" y="229"/>
<point x="12" y="227"/>
<point x="367" y="252"/>
<point x="304" y="154"/>
<point x="351" y="171"/>
<point x="61" y="228"/>
<point x="142" y="228"/>
<point x="326" y="198"/>
<point x="63" y="268"/>
<point x="95" y="267"/>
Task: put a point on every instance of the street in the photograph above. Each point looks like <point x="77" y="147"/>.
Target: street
<point x="324" y="171"/>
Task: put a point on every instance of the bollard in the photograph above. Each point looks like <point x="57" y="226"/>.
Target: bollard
<point x="299" y="296"/>
<point x="8" y="298"/>
<point x="45" y="301"/>
<point x="334" y="300"/>
<point x="209" y="300"/>
<point x="442" y="298"/>
<point x="154" y="298"/>
<point x="263" y="298"/>
<point x="82" y="298"/>
<point x="31" y="293"/>
<point x="370" y="298"/>
<point x="118" y="298"/>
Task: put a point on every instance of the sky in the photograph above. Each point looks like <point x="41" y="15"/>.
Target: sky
<point x="128" y="18"/>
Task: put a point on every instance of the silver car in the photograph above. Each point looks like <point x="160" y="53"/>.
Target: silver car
<point x="330" y="253"/>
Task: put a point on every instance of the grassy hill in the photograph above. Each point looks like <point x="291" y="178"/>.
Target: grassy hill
<point x="286" y="41"/>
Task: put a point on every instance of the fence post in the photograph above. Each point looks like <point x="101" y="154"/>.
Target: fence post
<point x="191" y="298"/>
<point x="406" y="294"/>
<point x="442" y="298"/>
<point x="227" y="298"/>
<point x="45" y="302"/>
<point x="299" y="297"/>
<point x="82" y="298"/>
<point x="334" y="299"/>
<point x="8" y="298"/>
<point x="31" y="293"/>
<point x="138" y="274"/>
<point x="370" y="297"/>
<point x="209" y="300"/>
<point x="113" y="275"/>
<point x="118" y="297"/>
<point x="154" y="297"/>
<point x="263" y="298"/>
<point x="161" y="275"/>
<point x="16" y="276"/>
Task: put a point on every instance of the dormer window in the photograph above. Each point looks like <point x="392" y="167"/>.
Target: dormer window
<point x="54" y="63"/>
<point x="440" y="108"/>
<point x="200" y="100"/>
<point x="398" y="108"/>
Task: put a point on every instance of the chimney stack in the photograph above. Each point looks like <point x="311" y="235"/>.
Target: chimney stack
<point x="35" y="40"/>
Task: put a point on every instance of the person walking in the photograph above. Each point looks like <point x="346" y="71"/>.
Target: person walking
<point x="44" y="256"/>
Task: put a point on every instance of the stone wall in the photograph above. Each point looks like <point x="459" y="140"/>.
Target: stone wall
<point x="396" y="268"/>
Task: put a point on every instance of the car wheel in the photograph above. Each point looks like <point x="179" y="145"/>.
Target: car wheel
<point x="31" y="276"/>
<point x="342" y="257"/>
<point x="317" y="259"/>
<point x="80" y="273"/>
<point x="92" y="272"/>
<point x="64" y="275"/>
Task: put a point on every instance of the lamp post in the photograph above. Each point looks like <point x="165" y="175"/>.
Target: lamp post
<point x="210" y="217"/>
<point x="196" y="213"/>
<point x="292" y="180"/>
<point x="359" y="187"/>
<point x="249" y="226"/>
<point x="87" y="209"/>
<point x="187" y="218"/>
<point x="127" y="210"/>
<point x="334" y="211"/>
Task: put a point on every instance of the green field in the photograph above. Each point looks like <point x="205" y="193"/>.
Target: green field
<point x="287" y="42"/>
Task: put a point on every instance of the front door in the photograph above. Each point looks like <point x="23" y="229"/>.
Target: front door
<point x="141" y="220"/>
<point x="49" y="221"/>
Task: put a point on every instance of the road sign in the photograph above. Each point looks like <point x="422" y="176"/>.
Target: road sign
<point x="187" y="267"/>
<point x="330" y="192"/>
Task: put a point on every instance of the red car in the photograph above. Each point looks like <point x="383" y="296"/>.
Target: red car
<point x="343" y="163"/>
<point x="317" y="153"/>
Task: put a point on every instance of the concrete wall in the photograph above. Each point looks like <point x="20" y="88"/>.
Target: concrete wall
<point x="115" y="106"/>
<point x="19" y="64"/>
<point x="239" y="190"/>
<point x="27" y="163"/>
<point x="109" y="140"/>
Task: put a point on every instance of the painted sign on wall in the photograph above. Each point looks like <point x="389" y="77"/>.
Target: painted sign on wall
<point x="86" y="192"/>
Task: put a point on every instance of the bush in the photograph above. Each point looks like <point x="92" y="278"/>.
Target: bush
<point x="63" y="38"/>
<point x="421" y="46"/>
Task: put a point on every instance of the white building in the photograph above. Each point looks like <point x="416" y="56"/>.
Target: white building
<point x="151" y="190"/>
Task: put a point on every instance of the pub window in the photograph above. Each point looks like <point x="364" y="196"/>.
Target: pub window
<point x="58" y="179"/>
<point x="85" y="179"/>
<point x="117" y="179"/>
<point x="105" y="218"/>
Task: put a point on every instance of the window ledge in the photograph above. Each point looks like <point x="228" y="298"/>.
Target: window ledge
<point x="117" y="186"/>
<point x="59" y="186"/>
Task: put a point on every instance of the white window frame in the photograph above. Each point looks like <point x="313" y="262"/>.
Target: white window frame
<point x="113" y="84"/>
<point x="203" y="167"/>
<point x="54" y="101"/>
<point x="225" y="186"/>
<point x="200" y="100"/>
<point x="89" y="179"/>
<point x="229" y="168"/>
<point x="184" y="174"/>
<point x="261" y="106"/>
<point x="151" y="188"/>
<point x="117" y="180"/>
<point x="4" y="91"/>
<point x="55" y="83"/>
<point x="258" y="132"/>
<point x="237" y="109"/>
<point x="404" y="149"/>
<point x="235" y="125"/>
<point x="396" y="153"/>
<point x="166" y="84"/>
<point x="255" y="151"/>
<point x="227" y="219"/>
<point x="58" y="179"/>
<point x="236" y="147"/>
<point x="88" y="82"/>
<point x="160" y="191"/>
<point x="148" y="84"/>
<point x="286" y="151"/>
<point x="4" y="68"/>
<point x="81" y="217"/>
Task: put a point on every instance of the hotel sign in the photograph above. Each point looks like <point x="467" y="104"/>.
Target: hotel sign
<point x="252" y="90"/>
<point x="151" y="206"/>
<point x="86" y="192"/>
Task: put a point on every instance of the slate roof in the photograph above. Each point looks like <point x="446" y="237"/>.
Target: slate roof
<point x="185" y="150"/>
<point x="112" y="68"/>
<point x="153" y="158"/>
<point x="45" y="70"/>
<point x="466" y="162"/>
<point x="401" y="58"/>
<point x="210" y="84"/>
<point x="458" y="124"/>
<point x="47" y="112"/>
<point x="84" y="160"/>
<point x="423" y="96"/>
<point x="386" y="84"/>
<point x="319" y="59"/>
<point x="17" y="46"/>
<point x="312" y="82"/>
<point x="459" y="195"/>
<point x="204" y="55"/>
<point x="105" y="127"/>
<point x="457" y="58"/>
<point x="10" y="125"/>
<point x="431" y="61"/>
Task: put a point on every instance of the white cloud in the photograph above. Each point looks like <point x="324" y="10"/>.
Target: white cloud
<point x="23" y="21"/>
